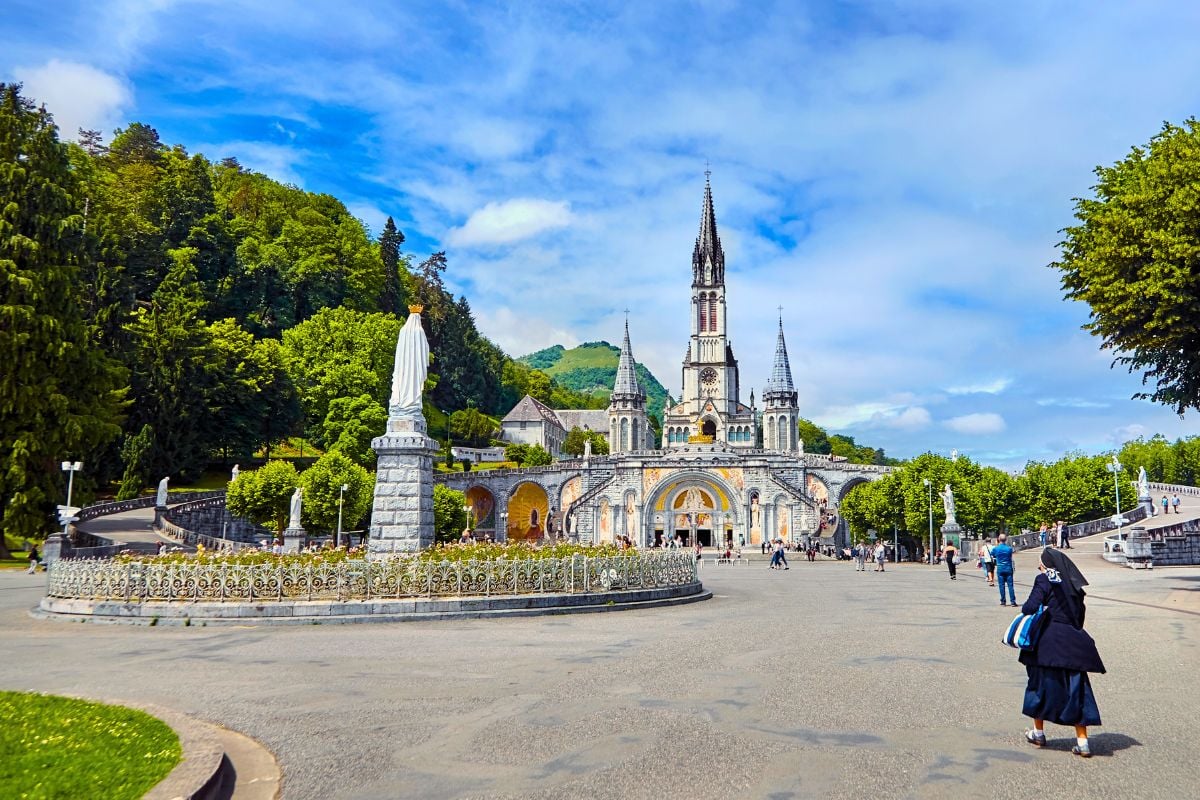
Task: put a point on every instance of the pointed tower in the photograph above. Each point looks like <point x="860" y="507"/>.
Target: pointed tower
<point x="709" y="410"/>
<point x="710" y="379"/>
<point x="629" y="428"/>
<point x="780" y="411"/>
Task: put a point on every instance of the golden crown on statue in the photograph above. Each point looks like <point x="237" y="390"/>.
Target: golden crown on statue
<point x="415" y="309"/>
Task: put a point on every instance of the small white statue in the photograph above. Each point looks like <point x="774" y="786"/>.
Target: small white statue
<point x="587" y="449"/>
<point x="297" y="502"/>
<point x="161" y="498"/>
<point x="1143" y="484"/>
<point x="234" y="473"/>
<point x="948" y="501"/>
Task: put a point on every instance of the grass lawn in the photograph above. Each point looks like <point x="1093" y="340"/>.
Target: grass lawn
<point x="57" y="747"/>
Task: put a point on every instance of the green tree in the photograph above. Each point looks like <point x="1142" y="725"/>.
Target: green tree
<point x="135" y="455"/>
<point x="322" y="484"/>
<point x="171" y="358"/>
<point x="351" y="424"/>
<point x="472" y="428"/>
<point x="537" y="456"/>
<point x="576" y="437"/>
<point x="449" y="513"/>
<point x="516" y="452"/>
<point x="573" y="444"/>
<point x="264" y="495"/>
<point x="392" y="299"/>
<point x="1157" y="455"/>
<point x="814" y="437"/>
<point x="340" y="352"/>
<point x="1132" y="258"/>
<point x="60" y="396"/>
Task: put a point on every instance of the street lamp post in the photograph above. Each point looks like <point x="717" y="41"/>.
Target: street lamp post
<point x="504" y="524"/>
<point x="929" y="486"/>
<point x="70" y="467"/>
<point x="341" y="501"/>
<point x="1115" y="468"/>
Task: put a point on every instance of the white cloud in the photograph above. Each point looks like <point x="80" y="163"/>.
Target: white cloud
<point x="511" y="221"/>
<point x="1069" y="402"/>
<point x="910" y="419"/>
<point x="520" y="334"/>
<point x="1127" y="433"/>
<point x="78" y="95"/>
<point x="976" y="424"/>
<point x="273" y="160"/>
<point x="987" y="387"/>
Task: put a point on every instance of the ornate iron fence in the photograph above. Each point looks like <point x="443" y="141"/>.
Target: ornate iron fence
<point x="364" y="580"/>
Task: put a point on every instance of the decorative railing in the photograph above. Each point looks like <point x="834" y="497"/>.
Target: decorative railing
<point x="145" y="501"/>
<point x="180" y="534"/>
<point x="194" y="580"/>
<point x="1172" y="488"/>
<point x="1093" y="526"/>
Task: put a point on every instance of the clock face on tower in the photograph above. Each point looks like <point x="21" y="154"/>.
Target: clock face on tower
<point x="708" y="376"/>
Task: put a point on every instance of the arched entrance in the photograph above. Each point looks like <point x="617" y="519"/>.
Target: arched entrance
<point x="527" y="510"/>
<point x="692" y="512"/>
<point x="708" y="428"/>
<point x="571" y="491"/>
<point x="693" y="506"/>
<point x="482" y="514"/>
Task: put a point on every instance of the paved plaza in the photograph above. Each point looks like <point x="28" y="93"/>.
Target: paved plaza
<point x="815" y="682"/>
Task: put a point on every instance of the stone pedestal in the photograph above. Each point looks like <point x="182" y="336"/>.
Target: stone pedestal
<point x="159" y="511"/>
<point x="402" y="513"/>
<point x="952" y="532"/>
<point x="53" y="547"/>
<point x="293" y="539"/>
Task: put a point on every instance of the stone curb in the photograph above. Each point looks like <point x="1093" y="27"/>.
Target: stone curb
<point x="314" y="612"/>
<point x="200" y="772"/>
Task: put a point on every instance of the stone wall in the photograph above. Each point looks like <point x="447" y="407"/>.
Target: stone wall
<point x="1177" y="546"/>
<point x="209" y="517"/>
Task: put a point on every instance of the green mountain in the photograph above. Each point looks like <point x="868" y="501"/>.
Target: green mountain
<point x="591" y="368"/>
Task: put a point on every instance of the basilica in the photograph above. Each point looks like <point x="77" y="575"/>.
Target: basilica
<point x="725" y="473"/>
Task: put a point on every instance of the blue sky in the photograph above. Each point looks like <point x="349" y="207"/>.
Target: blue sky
<point x="894" y="174"/>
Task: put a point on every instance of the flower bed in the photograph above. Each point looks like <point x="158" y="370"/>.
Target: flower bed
<point x="471" y="570"/>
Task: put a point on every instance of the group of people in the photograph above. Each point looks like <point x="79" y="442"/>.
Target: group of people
<point x="863" y="551"/>
<point x="1058" y="535"/>
<point x="996" y="561"/>
<point x="1172" y="503"/>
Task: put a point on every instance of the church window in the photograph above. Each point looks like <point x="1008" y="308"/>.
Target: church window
<point x="624" y="435"/>
<point x="703" y="316"/>
<point x="770" y="438"/>
<point x="712" y="312"/>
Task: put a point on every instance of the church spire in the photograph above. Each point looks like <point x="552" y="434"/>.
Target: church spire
<point x="626" y="384"/>
<point x="708" y="259"/>
<point x="781" y="372"/>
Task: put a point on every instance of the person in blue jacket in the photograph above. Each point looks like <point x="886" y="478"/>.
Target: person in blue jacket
<point x="1058" y="665"/>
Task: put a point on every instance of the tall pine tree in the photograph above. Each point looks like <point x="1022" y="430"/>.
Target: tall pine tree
<point x="60" y="396"/>
<point x="392" y="300"/>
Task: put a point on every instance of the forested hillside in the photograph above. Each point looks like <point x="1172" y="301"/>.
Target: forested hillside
<point x="163" y="311"/>
<point x="591" y="368"/>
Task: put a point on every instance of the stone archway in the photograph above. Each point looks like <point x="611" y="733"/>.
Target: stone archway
<point x="571" y="491"/>
<point x="708" y="428"/>
<point x="528" y="507"/>
<point x="694" y="505"/>
<point x="483" y="509"/>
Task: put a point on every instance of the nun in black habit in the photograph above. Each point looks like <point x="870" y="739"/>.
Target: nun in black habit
<point x="1058" y="689"/>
